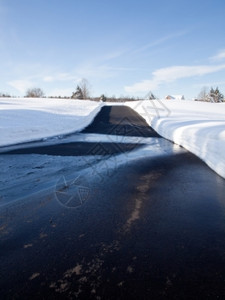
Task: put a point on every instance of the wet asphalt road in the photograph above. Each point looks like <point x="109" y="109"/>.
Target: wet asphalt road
<point x="150" y="228"/>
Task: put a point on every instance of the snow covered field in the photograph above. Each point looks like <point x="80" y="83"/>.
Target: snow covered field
<point x="199" y="127"/>
<point x="24" y="120"/>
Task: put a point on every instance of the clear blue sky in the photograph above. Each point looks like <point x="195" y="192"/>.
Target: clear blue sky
<point x="122" y="47"/>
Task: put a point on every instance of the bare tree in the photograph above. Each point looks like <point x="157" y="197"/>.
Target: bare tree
<point x="35" y="93"/>
<point x="85" y="88"/>
<point x="203" y="95"/>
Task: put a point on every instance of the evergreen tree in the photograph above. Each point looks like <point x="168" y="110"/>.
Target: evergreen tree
<point x="151" y="96"/>
<point x="215" y="95"/>
<point x="82" y="90"/>
<point x="78" y="93"/>
<point x="103" y="98"/>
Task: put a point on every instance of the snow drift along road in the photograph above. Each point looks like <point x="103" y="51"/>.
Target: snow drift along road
<point x="199" y="127"/>
<point x="25" y="120"/>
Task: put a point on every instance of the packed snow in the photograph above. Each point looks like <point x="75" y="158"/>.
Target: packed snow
<point x="197" y="126"/>
<point x="25" y="120"/>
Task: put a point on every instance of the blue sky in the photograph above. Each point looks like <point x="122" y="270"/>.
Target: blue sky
<point x="122" y="47"/>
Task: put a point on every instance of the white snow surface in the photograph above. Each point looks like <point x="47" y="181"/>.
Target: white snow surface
<point x="30" y="119"/>
<point x="197" y="126"/>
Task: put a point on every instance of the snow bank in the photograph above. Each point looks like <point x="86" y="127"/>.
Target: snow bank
<point x="197" y="126"/>
<point x="24" y="120"/>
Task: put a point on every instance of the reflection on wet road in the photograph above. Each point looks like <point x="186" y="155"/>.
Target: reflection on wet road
<point x="146" y="222"/>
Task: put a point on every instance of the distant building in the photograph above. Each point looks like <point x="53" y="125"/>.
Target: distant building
<point x="175" y="97"/>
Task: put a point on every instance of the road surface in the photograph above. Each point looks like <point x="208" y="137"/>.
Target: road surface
<point x="115" y="212"/>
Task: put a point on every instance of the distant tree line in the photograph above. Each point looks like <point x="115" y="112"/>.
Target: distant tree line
<point x="83" y="92"/>
<point x="213" y="95"/>
<point x="103" y="98"/>
<point x="3" y="95"/>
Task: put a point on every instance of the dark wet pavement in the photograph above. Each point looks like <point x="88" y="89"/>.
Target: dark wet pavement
<point x="120" y="120"/>
<point x="150" y="228"/>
